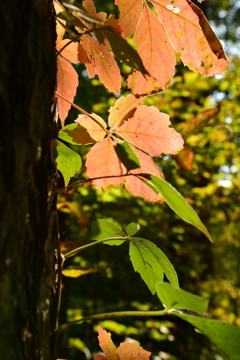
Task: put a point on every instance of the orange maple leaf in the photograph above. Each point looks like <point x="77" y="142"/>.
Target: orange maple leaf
<point x="126" y="350"/>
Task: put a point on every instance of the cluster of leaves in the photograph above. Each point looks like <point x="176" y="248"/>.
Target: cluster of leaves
<point x="123" y="152"/>
<point x="143" y="127"/>
<point x="152" y="264"/>
<point x="210" y="271"/>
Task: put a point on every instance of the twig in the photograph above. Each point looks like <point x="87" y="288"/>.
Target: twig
<point x="112" y="314"/>
<point x="81" y="248"/>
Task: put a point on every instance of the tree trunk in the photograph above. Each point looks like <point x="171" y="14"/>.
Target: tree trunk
<point x="27" y="180"/>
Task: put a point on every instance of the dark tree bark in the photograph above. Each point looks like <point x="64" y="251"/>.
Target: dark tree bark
<point x="27" y="185"/>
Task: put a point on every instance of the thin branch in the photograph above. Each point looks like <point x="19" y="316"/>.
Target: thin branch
<point x="83" y="14"/>
<point x="92" y="179"/>
<point x="76" y="37"/>
<point x="80" y="35"/>
<point x="112" y="314"/>
<point x="81" y="248"/>
<point x="83" y="111"/>
<point x="66" y="28"/>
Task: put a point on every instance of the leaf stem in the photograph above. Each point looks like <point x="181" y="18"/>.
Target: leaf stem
<point x="92" y="179"/>
<point x="83" y="111"/>
<point x="112" y="314"/>
<point x="81" y="248"/>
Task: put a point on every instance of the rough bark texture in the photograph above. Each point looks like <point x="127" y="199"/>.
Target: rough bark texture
<point x="27" y="185"/>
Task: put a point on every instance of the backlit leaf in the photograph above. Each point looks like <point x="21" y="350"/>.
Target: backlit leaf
<point x="103" y="229"/>
<point x="130" y="13"/>
<point x="151" y="263"/>
<point x="132" y="351"/>
<point x="135" y="186"/>
<point x="175" y="298"/>
<point x="89" y="7"/>
<point x="211" y="37"/>
<point x="82" y="55"/>
<point x="123" y="109"/>
<point x="127" y="156"/>
<point x="103" y="163"/>
<point x="111" y="23"/>
<point x="132" y="228"/>
<point x="75" y="134"/>
<point x="110" y="170"/>
<point x="185" y="33"/>
<point x="107" y="344"/>
<point x="225" y="336"/>
<point x="59" y="29"/>
<point x="126" y="350"/>
<point x="67" y="83"/>
<point x="177" y="203"/>
<point x="149" y="130"/>
<point x="123" y="51"/>
<point x="101" y="63"/>
<point x="157" y="54"/>
<point x="70" y="52"/>
<point x="94" y="124"/>
<point x="146" y="128"/>
<point x="68" y="162"/>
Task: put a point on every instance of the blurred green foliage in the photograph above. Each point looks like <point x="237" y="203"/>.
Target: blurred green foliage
<point x="211" y="187"/>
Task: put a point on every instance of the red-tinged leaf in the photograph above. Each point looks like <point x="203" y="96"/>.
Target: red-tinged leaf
<point x="126" y="350"/>
<point x="70" y="52"/>
<point x="110" y="22"/>
<point x="130" y="14"/>
<point x="114" y="23"/>
<point x="82" y="55"/>
<point x="185" y="159"/>
<point x="212" y="39"/>
<point x="132" y="351"/>
<point x="200" y="120"/>
<point x="123" y="108"/>
<point x="107" y="344"/>
<point x="67" y="83"/>
<point x="149" y="130"/>
<point x="95" y="126"/>
<point x="122" y="50"/>
<point x="156" y="53"/>
<point x="135" y="186"/>
<point x="59" y="29"/>
<point x="182" y="25"/>
<point x="102" y="64"/>
<point x="102" y="162"/>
